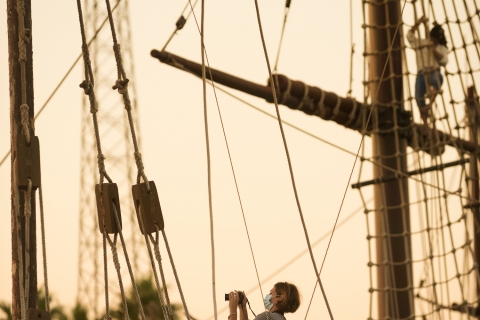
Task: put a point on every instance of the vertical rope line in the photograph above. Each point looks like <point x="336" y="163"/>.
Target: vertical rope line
<point x="44" y="251"/>
<point x="105" y="274"/>
<point x="116" y="262"/>
<point x="228" y="149"/>
<point x="152" y="263"/>
<point x="127" y="260"/>
<point x="24" y="36"/>
<point x="205" y="112"/>
<point x="28" y="215"/>
<point x="158" y="257"/>
<point x="122" y="85"/>
<point x="176" y="275"/>
<point x="442" y="232"/>
<point x="289" y="161"/>
<point x="16" y="208"/>
<point x="428" y="231"/>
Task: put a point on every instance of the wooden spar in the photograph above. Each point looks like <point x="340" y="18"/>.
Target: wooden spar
<point x="392" y="213"/>
<point x="350" y="114"/>
<point x="15" y="133"/>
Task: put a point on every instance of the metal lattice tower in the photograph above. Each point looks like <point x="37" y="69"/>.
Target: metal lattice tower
<point x="118" y="151"/>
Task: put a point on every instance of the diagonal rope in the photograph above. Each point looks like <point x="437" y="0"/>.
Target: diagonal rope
<point x="302" y="253"/>
<point x="274" y="94"/>
<point x="175" y="274"/>
<point x="285" y="16"/>
<point x="180" y="22"/>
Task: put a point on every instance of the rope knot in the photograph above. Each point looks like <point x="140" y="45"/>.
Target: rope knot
<point x="86" y="86"/>
<point x="121" y="85"/>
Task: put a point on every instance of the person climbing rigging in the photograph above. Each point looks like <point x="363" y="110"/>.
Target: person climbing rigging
<point x="283" y="298"/>
<point x="431" y="54"/>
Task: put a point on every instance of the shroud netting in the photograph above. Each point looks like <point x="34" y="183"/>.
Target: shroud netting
<point x="437" y="213"/>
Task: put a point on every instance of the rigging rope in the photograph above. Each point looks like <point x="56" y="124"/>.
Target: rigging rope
<point x="205" y="114"/>
<point x="154" y="270"/>
<point x="45" y="104"/>
<point x="288" y="158"/>
<point x="180" y="22"/>
<point x="44" y="251"/>
<point x="214" y="87"/>
<point x="88" y="87"/>
<point x="285" y="16"/>
<point x="175" y="274"/>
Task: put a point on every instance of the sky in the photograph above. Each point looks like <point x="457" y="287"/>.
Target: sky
<point x="316" y="49"/>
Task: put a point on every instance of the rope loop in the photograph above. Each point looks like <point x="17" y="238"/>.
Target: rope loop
<point x="351" y="116"/>
<point x="305" y="98"/>
<point x="320" y="105"/>
<point x="286" y="94"/>
<point x="336" y="110"/>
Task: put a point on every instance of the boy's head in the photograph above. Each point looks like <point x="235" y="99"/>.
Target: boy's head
<point x="438" y="35"/>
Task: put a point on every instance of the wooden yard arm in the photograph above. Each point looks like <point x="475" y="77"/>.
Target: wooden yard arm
<point x="314" y="101"/>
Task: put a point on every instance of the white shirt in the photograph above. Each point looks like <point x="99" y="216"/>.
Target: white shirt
<point x="425" y="57"/>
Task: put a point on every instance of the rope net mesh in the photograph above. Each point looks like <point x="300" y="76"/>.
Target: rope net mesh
<point x="421" y="232"/>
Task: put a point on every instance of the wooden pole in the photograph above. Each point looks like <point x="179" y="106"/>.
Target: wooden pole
<point x="473" y="120"/>
<point x="392" y="218"/>
<point x="15" y="133"/>
<point x="294" y="101"/>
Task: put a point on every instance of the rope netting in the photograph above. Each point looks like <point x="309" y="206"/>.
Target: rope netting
<point x="421" y="231"/>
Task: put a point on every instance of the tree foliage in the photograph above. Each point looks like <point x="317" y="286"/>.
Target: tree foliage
<point x="150" y="303"/>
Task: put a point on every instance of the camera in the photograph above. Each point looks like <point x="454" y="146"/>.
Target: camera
<point x="240" y="297"/>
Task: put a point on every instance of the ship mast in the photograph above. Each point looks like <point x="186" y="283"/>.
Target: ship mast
<point x="392" y="214"/>
<point x="26" y="242"/>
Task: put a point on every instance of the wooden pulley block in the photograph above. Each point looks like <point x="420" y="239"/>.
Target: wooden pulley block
<point x="147" y="206"/>
<point x="28" y="162"/>
<point x="35" y="314"/>
<point x="106" y="215"/>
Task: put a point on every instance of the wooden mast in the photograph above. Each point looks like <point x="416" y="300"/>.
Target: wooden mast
<point x="392" y="218"/>
<point x="473" y="118"/>
<point x="15" y="134"/>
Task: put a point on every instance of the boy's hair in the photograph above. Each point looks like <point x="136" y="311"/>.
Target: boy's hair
<point x="438" y="33"/>
<point x="291" y="297"/>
